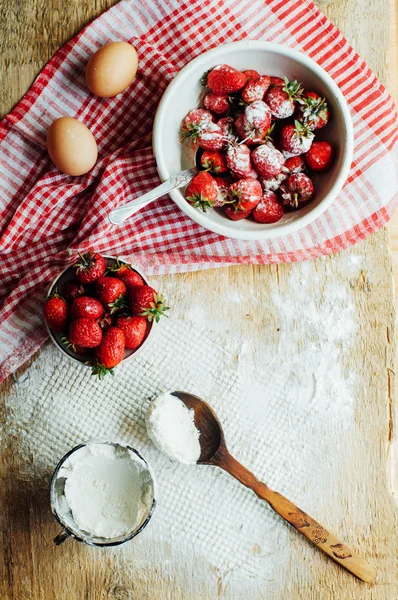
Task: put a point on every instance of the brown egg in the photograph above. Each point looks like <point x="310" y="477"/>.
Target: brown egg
<point x="111" y="69"/>
<point x="71" y="146"/>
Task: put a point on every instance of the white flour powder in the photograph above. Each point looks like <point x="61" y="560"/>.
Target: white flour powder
<point x="170" y="425"/>
<point x="106" y="490"/>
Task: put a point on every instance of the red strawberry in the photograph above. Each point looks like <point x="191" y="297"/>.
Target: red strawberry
<point x="84" y="332"/>
<point x="234" y="213"/>
<point x="223" y="187"/>
<point x="320" y="156"/>
<point x="267" y="160"/>
<point x="214" y="161"/>
<point x="268" y="210"/>
<point x="313" y="110"/>
<point x="110" y="352"/>
<point x="211" y="137"/>
<point x="202" y="191"/>
<point x="111" y="291"/>
<point x="90" y="267"/>
<point x="296" y="138"/>
<point x="134" y="329"/>
<point x="126" y="273"/>
<point x="251" y="74"/>
<point x="246" y="193"/>
<point x="238" y="159"/>
<point x="255" y="89"/>
<point x="72" y="289"/>
<point x="282" y="100"/>
<point x="295" y="164"/>
<point x="86" y="307"/>
<point x="218" y="105"/>
<point x="277" y="81"/>
<point x="192" y="124"/>
<point x="224" y="79"/>
<point x="226" y="125"/>
<point x="251" y="175"/>
<point x="146" y="302"/>
<point x="298" y="190"/>
<point x="271" y="184"/>
<point x="56" y="312"/>
<point x="256" y="120"/>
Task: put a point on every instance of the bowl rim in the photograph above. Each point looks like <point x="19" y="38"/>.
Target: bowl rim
<point x="275" y="231"/>
<point x="53" y="338"/>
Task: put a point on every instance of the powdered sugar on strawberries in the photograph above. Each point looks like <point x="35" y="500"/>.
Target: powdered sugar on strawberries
<point x="280" y="105"/>
<point x="238" y="159"/>
<point x="267" y="160"/>
<point x="257" y="116"/>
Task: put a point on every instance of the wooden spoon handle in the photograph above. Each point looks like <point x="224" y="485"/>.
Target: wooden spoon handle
<point x="311" y="529"/>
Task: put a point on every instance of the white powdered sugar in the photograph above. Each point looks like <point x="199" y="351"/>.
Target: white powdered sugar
<point x="255" y="115"/>
<point x="268" y="160"/>
<point x="171" y="427"/>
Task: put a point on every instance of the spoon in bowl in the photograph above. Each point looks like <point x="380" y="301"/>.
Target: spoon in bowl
<point x="214" y="452"/>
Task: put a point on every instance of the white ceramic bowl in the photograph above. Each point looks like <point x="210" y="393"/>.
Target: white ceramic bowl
<point x="182" y="95"/>
<point x="58" y="283"/>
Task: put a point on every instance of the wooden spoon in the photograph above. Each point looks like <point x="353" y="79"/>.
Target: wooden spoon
<point x="214" y="452"/>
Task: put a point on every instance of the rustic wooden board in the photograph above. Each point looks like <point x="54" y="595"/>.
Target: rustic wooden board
<point x="31" y="567"/>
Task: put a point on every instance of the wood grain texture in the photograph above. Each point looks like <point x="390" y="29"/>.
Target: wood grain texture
<point x="32" y="568"/>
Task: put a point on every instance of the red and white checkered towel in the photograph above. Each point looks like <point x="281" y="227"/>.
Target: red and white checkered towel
<point x="47" y="216"/>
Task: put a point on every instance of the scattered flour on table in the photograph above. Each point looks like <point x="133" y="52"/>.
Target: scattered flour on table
<point x="285" y="402"/>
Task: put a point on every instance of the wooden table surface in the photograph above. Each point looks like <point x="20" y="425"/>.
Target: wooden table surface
<point x="30" y="567"/>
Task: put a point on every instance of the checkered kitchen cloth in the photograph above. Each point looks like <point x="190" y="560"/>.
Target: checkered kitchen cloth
<point x="45" y="214"/>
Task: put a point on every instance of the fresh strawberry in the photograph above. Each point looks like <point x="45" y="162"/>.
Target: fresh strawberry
<point x="81" y="351"/>
<point x="245" y="193"/>
<point x="219" y="105"/>
<point x="234" y="213"/>
<point x="251" y="175"/>
<point x="214" y="161"/>
<point x="313" y="110"/>
<point x="85" y="333"/>
<point x="271" y="184"/>
<point x="256" y="120"/>
<point x="110" y="352"/>
<point x="126" y="273"/>
<point x="277" y="81"/>
<point x="224" y="79"/>
<point x="86" y="307"/>
<point x="296" y="138"/>
<point x="226" y="124"/>
<point x="223" y="187"/>
<point x="56" y="312"/>
<point x="282" y="100"/>
<point x="267" y="160"/>
<point x="255" y="89"/>
<point x="193" y="123"/>
<point x="298" y="190"/>
<point x="295" y="164"/>
<point x="238" y="159"/>
<point x="134" y="329"/>
<point x="320" y="156"/>
<point x="71" y="290"/>
<point x="251" y="74"/>
<point x="268" y="210"/>
<point x="146" y="302"/>
<point x="202" y="191"/>
<point x="211" y="137"/>
<point x="90" y="267"/>
<point x="111" y="291"/>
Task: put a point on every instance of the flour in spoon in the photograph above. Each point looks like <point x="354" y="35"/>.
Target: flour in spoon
<point x="171" y="427"/>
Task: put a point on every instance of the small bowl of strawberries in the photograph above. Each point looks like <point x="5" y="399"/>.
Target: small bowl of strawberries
<point x="101" y="311"/>
<point x="269" y="132"/>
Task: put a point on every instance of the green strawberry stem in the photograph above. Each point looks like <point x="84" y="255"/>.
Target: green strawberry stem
<point x="119" y="304"/>
<point x="156" y="310"/>
<point x="100" y="370"/>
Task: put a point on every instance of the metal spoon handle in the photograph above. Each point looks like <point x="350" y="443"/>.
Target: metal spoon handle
<point x="303" y="523"/>
<point x="120" y="214"/>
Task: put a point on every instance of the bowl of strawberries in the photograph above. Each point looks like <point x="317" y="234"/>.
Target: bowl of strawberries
<point x="101" y="311"/>
<point x="269" y="132"/>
